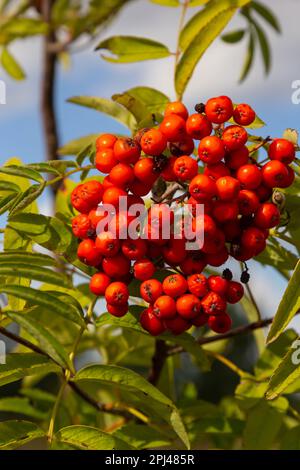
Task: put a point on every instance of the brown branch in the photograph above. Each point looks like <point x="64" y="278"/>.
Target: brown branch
<point x="240" y="330"/>
<point x="168" y="194"/>
<point x="261" y="144"/>
<point x="22" y="341"/>
<point x="158" y="361"/>
<point x="48" y="87"/>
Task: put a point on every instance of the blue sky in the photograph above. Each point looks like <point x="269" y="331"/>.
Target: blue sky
<point x="20" y="127"/>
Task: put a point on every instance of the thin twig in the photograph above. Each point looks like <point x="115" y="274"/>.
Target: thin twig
<point x="158" y="361"/>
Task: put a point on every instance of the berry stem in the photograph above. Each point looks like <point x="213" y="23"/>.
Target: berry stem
<point x="250" y="294"/>
<point x="69" y="173"/>
<point x="224" y="360"/>
<point x="261" y="144"/>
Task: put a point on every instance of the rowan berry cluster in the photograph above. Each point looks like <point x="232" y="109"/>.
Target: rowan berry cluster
<point x="224" y="177"/>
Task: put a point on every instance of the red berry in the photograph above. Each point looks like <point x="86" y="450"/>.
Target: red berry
<point x="253" y="239"/>
<point x="249" y="176"/>
<point x="178" y="108"/>
<point x="197" y="285"/>
<point x="267" y="216"/>
<point x="248" y="202"/>
<point x="99" y="283"/>
<point x="217" y="259"/>
<point x="82" y="226"/>
<point x="165" y="307"/>
<point x="105" y="160"/>
<point x="177" y="325"/>
<point x="243" y="114"/>
<point x="274" y="174"/>
<point x="143" y="269"/>
<point x="188" y="306"/>
<point x="121" y="175"/>
<point x="198" y="126"/>
<point x="168" y="171"/>
<point x="88" y="253"/>
<point x="202" y="188"/>
<point x="174" y="285"/>
<point x="151" y="323"/>
<point x="105" y="141"/>
<point x="235" y="292"/>
<point x="213" y="304"/>
<point x="112" y="196"/>
<point x="150" y="290"/>
<point x="87" y="196"/>
<point x="200" y="320"/>
<point x="134" y="249"/>
<point x="219" y="109"/>
<point x="117" y="310"/>
<point x="217" y="170"/>
<point x="225" y="211"/>
<point x="127" y="150"/>
<point x="153" y="142"/>
<point x="144" y="170"/>
<point x="227" y="188"/>
<point x="211" y="150"/>
<point x="192" y="265"/>
<point x="185" y="168"/>
<point x="218" y="284"/>
<point x="237" y="158"/>
<point x="173" y="127"/>
<point x="175" y="251"/>
<point x="117" y="294"/>
<point x="282" y="150"/>
<point x="220" y="323"/>
<point x="289" y="179"/>
<point x="184" y="147"/>
<point x="107" y="244"/>
<point x="116" y="267"/>
<point x="234" y="137"/>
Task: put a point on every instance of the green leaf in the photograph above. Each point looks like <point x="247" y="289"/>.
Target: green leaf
<point x="11" y="66"/>
<point x="130" y="381"/>
<point x="167" y="3"/>
<point x="292" y="135"/>
<point x="201" y="20"/>
<point x="286" y="373"/>
<point x="234" y="36"/>
<point x="23" y="27"/>
<point x="196" y="3"/>
<point x="264" y="46"/>
<point x="249" y="57"/>
<point x="288" y="307"/>
<point x="198" y="46"/>
<point x="20" y="256"/>
<point x="134" y="106"/>
<point x="21" y="171"/>
<point x="267" y="14"/>
<point x="38" y="273"/>
<point x="155" y="101"/>
<point x="132" y="49"/>
<point x="48" y="232"/>
<point x="45" y="340"/>
<point x="57" y="167"/>
<point x="46" y="300"/>
<point x="88" y="438"/>
<point x="7" y="202"/>
<point x="109" y="107"/>
<point x="291" y="439"/>
<point x="16" y="433"/>
<point x="278" y="257"/>
<point x="22" y="406"/>
<point x="142" y="437"/>
<point x="26" y="198"/>
<point x="262" y="426"/>
<point x="73" y="147"/>
<point x="25" y="364"/>
<point x="8" y="186"/>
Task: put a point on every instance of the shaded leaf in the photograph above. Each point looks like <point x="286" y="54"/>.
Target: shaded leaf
<point x="22" y="172"/>
<point x="73" y="147"/>
<point x="106" y="106"/>
<point x="267" y="14"/>
<point x="234" y="36"/>
<point x="20" y="406"/>
<point x="262" y="426"/>
<point x="46" y="300"/>
<point x="23" y="364"/>
<point x="88" y="438"/>
<point x="249" y="57"/>
<point x="288" y="307"/>
<point x="45" y="340"/>
<point x="16" y="433"/>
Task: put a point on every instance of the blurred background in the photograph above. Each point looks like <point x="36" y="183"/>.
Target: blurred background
<point x="218" y="73"/>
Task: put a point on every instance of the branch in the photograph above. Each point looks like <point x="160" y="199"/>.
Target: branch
<point x="158" y="361"/>
<point x="98" y="406"/>
<point x="48" y="88"/>
<point x="168" y="194"/>
<point x="240" y="330"/>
